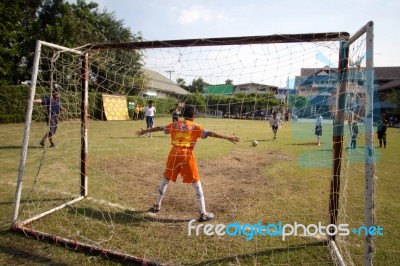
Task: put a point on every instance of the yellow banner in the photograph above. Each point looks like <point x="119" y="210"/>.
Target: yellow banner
<point x="115" y="107"/>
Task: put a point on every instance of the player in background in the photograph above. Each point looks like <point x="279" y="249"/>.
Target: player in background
<point x="354" y="135"/>
<point x="149" y="111"/>
<point x="176" y="111"/>
<point x="275" y="121"/>
<point x="53" y="111"/>
<point x="318" y="128"/>
<point x="181" y="159"/>
<point x="381" y="131"/>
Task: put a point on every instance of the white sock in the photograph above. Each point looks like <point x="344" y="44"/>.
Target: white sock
<point x="161" y="191"/>
<point x="200" y="196"/>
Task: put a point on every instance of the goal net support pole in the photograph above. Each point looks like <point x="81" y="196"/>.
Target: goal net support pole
<point x="28" y="121"/>
<point x="369" y="209"/>
<point x="369" y="248"/>
<point x="84" y="122"/>
<point x="337" y="139"/>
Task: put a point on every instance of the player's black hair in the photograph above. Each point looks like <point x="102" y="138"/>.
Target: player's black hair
<point x="150" y="102"/>
<point x="189" y="111"/>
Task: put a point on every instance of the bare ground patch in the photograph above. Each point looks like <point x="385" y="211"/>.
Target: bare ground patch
<point x="230" y="183"/>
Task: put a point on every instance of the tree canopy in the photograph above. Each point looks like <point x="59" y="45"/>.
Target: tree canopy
<point x="394" y="97"/>
<point x="55" y="21"/>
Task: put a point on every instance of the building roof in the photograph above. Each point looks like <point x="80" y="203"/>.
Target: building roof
<point x="252" y="84"/>
<point x="312" y="79"/>
<point x="310" y="76"/>
<point x="315" y="71"/>
<point x="284" y="91"/>
<point x="219" y="89"/>
<point x="387" y="73"/>
<point x="320" y="100"/>
<point x="381" y="73"/>
<point x="159" y="82"/>
<point x="390" y="85"/>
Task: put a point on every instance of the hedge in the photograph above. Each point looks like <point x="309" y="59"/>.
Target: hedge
<point x="13" y="104"/>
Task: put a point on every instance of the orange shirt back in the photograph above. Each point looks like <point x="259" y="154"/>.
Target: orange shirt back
<point x="185" y="133"/>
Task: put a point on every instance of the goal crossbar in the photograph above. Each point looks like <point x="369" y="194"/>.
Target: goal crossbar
<point x="267" y="39"/>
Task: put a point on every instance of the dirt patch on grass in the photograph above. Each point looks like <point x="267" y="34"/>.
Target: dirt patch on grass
<point x="230" y="183"/>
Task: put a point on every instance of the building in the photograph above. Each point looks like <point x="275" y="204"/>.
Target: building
<point x="320" y="86"/>
<point x="156" y="85"/>
<point x="255" y="88"/>
<point x="388" y="80"/>
<point x="243" y="110"/>
<point x="219" y="90"/>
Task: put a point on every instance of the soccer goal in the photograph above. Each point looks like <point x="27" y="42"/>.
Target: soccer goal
<point x="283" y="201"/>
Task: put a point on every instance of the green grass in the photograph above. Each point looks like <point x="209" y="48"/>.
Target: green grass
<point x="285" y="180"/>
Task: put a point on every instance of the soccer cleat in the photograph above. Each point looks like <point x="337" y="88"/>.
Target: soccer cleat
<point x="206" y="217"/>
<point x="154" y="209"/>
<point x="41" y="144"/>
<point x="52" y="145"/>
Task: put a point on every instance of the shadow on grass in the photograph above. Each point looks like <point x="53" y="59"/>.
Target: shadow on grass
<point x="311" y="143"/>
<point x="260" y="140"/>
<point x="61" y="200"/>
<point x="233" y="259"/>
<point x="22" y="256"/>
<point x="153" y="136"/>
<point x="14" y="147"/>
<point x="125" y="217"/>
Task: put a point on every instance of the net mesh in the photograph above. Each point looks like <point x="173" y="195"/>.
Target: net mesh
<point x="282" y="181"/>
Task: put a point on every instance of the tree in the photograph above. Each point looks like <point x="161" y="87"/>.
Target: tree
<point x="56" y="21"/>
<point x="297" y="102"/>
<point x="228" y="82"/>
<point x="198" y="85"/>
<point x="16" y="35"/>
<point x="196" y="99"/>
<point x="394" y="97"/>
<point x="182" y="83"/>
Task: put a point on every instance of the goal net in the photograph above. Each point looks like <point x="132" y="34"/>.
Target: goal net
<point x="93" y="190"/>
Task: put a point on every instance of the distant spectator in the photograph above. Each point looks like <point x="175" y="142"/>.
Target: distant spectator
<point x="175" y="113"/>
<point x="354" y="134"/>
<point x="382" y="127"/>
<point x="141" y="116"/>
<point x="136" y="112"/>
<point x="287" y="115"/>
<point x="318" y="128"/>
<point x="149" y="110"/>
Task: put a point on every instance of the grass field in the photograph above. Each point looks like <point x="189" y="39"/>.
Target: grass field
<point x="278" y="181"/>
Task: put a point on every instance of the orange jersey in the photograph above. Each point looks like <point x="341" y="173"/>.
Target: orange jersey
<point x="185" y="133"/>
<point x="181" y="160"/>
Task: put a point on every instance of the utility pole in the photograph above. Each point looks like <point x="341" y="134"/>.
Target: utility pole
<point x="170" y="71"/>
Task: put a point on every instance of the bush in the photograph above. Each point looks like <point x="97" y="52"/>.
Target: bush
<point x="13" y="103"/>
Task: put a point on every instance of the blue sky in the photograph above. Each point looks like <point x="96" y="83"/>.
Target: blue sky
<point x="187" y="19"/>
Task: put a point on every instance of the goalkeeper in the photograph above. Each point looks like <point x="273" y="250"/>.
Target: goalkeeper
<point x="181" y="159"/>
<point x="53" y="110"/>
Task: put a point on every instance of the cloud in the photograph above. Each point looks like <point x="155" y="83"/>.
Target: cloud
<point x="195" y="13"/>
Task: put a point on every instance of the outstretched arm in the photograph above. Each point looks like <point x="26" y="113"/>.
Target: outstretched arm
<point x="145" y="131"/>
<point x="232" y="138"/>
